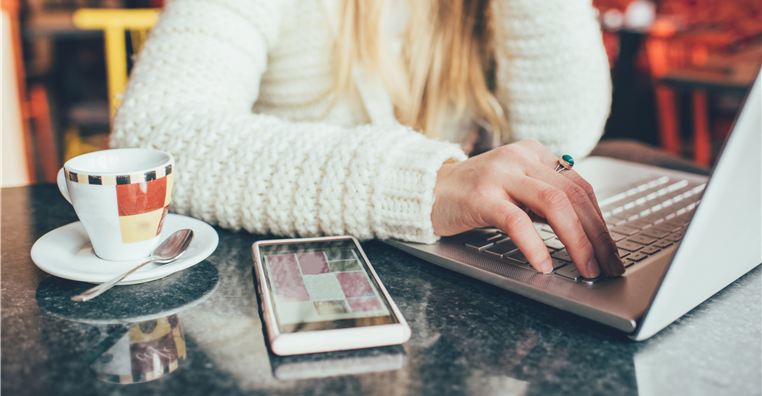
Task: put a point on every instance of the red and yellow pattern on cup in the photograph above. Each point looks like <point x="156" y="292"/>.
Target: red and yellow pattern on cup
<point x="142" y="200"/>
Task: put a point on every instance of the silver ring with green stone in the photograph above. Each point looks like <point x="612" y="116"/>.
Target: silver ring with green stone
<point x="565" y="162"/>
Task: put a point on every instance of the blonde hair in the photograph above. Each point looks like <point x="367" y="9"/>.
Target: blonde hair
<point x="442" y="66"/>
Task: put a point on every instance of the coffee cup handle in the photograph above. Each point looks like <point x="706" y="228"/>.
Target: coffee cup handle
<point x="61" y="179"/>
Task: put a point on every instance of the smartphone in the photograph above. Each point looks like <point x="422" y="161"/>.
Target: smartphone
<point x="322" y="295"/>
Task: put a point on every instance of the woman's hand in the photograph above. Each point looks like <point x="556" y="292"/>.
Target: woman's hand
<point x="513" y="184"/>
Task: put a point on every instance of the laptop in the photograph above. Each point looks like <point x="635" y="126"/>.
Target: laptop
<point x="682" y="237"/>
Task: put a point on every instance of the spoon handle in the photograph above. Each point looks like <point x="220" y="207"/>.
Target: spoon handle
<point x="100" y="289"/>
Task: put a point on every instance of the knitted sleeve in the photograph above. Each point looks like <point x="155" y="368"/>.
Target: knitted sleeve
<point x="552" y="73"/>
<point x="191" y="94"/>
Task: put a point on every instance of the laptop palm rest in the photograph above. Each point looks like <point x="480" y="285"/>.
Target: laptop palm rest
<point x="618" y="303"/>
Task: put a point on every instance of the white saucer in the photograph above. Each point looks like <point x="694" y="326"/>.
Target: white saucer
<point x="66" y="252"/>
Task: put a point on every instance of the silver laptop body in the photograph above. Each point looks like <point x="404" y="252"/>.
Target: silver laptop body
<point x="683" y="238"/>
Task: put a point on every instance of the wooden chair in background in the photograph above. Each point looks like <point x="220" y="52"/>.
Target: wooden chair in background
<point x="696" y="62"/>
<point x="114" y="23"/>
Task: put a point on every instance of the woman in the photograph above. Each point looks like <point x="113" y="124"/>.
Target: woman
<point x="311" y="117"/>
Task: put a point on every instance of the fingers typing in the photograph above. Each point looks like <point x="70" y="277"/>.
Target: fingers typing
<point x="554" y="205"/>
<point x="588" y="213"/>
<point x="517" y="224"/>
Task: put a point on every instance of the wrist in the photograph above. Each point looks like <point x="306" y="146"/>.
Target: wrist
<point x="445" y="170"/>
<point x="440" y="188"/>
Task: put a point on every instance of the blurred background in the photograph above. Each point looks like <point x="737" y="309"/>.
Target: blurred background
<point x="680" y="70"/>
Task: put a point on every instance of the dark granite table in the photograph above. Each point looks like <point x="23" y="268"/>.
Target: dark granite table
<point x="201" y="332"/>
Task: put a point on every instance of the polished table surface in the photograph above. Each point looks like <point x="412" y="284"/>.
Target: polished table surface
<point x="468" y="337"/>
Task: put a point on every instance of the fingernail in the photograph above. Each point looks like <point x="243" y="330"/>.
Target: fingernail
<point x="593" y="269"/>
<point x="615" y="263"/>
<point x="547" y="266"/>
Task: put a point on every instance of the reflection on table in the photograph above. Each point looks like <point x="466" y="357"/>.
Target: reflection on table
<point x="333" y="364"/>
<point x="142" y="352"/>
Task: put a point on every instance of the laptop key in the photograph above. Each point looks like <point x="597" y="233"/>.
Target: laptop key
<point x="554" y="243"/>
<point x="516" y="257"/>
<point x="625" y="229"/>
<point x="654" y="218"/>
<point x="642" y="239"/>
<point x="628" y="262"/>
<point x="591" y="281"/>
<point x="558" y="264"/>
<point x="663" y="243"/>
<point x="501" y="240"/>
<point x="479" y="245"/>
<point x="637" y="256"/>
<point x="617" y="236"/>
<point x="493" y="237"/>
<point x="569" y="272"/>
<point x="681" y="220"/>
<point x="639" y="223"/>
<point x="675" y="237"/>
<point x="616" y="223"/>
<point x="545" y="234"/>
<point x="655" y="232"/>
<point x="482" y="242"/>
<point x="630" y="246"/>
<point x="650" y="249"/>
<point x="502" y="248"/>
<point x="615" y="220"/>
<point x="670" y="226"/>
<point x="631" y="214"/>
<point x="562" y="255"/>
<point x="622" y="253"/>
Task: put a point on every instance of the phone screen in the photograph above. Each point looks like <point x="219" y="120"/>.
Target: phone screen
<point x="322" y="285"/>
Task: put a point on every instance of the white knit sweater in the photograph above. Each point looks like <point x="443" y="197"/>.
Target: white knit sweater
<point x="233" y="89"/>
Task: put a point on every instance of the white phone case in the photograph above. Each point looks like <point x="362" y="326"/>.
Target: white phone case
<point x="284" y="344"/>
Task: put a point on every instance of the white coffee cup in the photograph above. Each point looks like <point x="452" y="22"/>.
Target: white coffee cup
<point x="121" y="196"/>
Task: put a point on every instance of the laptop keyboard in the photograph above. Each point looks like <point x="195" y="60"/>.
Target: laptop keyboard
<point x="643" y="219"/>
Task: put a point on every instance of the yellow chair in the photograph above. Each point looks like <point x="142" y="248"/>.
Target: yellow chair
<point x="114" y="23"/>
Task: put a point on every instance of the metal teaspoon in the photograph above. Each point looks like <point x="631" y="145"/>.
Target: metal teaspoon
<point x="169" y="250"/>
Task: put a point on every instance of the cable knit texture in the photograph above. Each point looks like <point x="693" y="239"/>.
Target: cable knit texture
<point x="235" y="90"/>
